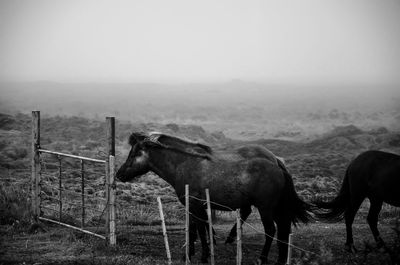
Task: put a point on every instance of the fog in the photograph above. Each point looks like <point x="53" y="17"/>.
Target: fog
<point x="208" y="41"/>
<point x="258" y="67"/>
<point x="236" y="108"/>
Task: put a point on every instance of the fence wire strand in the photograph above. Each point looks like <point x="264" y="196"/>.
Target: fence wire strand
<point x="252" y="227"/>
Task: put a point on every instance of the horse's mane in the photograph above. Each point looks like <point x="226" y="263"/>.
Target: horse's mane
<point x="173" y="142"/>
<point x="166" y="138"/>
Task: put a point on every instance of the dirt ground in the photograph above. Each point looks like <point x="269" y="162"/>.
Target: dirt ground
<point x="144" y="245"/>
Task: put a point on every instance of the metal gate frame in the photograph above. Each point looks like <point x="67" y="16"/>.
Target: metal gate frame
<point x="109" y="163"/>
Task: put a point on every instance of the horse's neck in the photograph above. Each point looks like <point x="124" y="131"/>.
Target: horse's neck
<point x="165" y="163"/>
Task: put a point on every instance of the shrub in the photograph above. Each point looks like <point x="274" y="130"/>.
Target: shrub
<point x="14" y="205"/>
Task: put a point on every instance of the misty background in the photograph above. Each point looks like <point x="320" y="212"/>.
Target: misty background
<point x="249" y="69"/>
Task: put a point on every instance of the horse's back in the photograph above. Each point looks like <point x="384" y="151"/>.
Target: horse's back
<point x="246" y="152"/>
<point x="253" y="181"/>
<point x="376" y="175"/>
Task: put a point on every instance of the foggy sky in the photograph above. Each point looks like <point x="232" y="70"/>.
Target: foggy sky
<point x="339" y="41"/>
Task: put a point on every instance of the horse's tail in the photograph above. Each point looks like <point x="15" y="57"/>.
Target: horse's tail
<point x="333" y="211"/>
<point x="299" y="210"/>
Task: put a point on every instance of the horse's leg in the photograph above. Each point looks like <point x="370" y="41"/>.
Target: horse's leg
<point x="284" y="228"/>
<point x="372" y="218"/>
<point x="204" y="243"/>
<point x="244" y="213"/>
<point x="269" y="228"/>
<point x="349" y="215"/>
<point x="192" y="238"/>
<point x="201" y="222"/>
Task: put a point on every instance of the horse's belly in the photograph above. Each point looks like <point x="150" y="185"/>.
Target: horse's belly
<point x="227" y="199"/>
<point x="388" y="191"/>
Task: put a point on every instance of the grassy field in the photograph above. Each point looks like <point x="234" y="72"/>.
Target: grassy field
<point x="317" y="167"/>
<point x="143" y="245"/>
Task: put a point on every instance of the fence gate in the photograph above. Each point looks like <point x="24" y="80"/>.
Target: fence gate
<point x="65" y="186"/>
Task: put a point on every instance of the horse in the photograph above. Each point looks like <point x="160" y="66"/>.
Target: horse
<point x="374" y="175"/>
<point x="236" y="181"/>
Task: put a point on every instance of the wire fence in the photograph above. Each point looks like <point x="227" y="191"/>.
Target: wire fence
<point x="252" y="226"/>
<point x="258" y="231"/>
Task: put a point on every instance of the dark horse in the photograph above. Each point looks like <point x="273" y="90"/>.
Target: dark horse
<point x="235" y="181"/>
<point x="374" y="175"/>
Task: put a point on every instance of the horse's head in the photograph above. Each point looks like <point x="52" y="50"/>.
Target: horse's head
<point x="137" y="162"/>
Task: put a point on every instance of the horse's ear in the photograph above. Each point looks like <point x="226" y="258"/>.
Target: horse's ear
<point x="136" y="137"/>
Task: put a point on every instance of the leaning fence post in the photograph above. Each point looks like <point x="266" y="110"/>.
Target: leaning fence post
<point x="113" y="239"/>
<point x="210" y="227"/>
<point x="83" y="192"/>
<point x="164" y="229"/>
<point x="59" y="187"/>
<point x="238" y="238"/>
<point x="35" y="164"/>
<point x="187" y="261"/>
<point x="289" y="256"/>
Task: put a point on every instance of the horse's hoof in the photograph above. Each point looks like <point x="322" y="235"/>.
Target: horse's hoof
<point x="350" y="248"/>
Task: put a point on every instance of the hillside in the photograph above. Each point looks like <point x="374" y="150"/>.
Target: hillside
<point x="325" y="157"/>
<point x="317" y="167"/>
<point x="242" y="110"/>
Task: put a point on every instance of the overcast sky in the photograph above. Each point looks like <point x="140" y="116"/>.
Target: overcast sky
<point x="305" y="41"/>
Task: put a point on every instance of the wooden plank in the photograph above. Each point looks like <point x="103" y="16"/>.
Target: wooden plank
<point x="35" y="165"/>
<point x="187" y="261"/>
<point x="210" y="227"/>
<point x="71" y="156"/>
<point x="164" y="229"/>
<point x="72" y="227"/>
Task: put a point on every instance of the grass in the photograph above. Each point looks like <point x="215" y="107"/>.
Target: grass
<point x="140" y="238"/>
<point x="14" y="205"/>
<point x="144" y="245"/>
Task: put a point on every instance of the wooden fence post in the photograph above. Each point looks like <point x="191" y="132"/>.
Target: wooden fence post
<point x="239" y="238"/>
<point x="107" y="194"/>
<point x="35" y="166"/>
<point x="164" y="229"/>
<point x="187" y="261"/>
<point x="110" y="151"/>
<point x="83" y="193"/>
<point x="112" y="235"/>
<point x="210" y="227"/>
<point x="59" y="187"/>
<point x="289" y="256"/>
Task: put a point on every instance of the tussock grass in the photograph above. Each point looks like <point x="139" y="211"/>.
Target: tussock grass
<point x="14" y="205"/>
